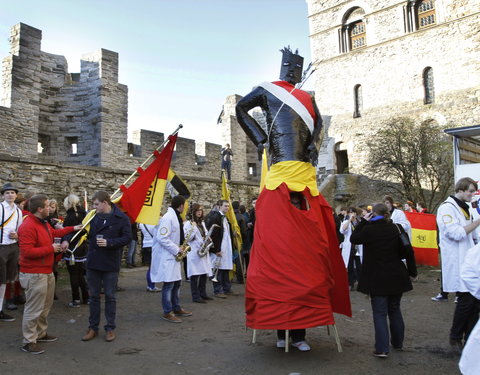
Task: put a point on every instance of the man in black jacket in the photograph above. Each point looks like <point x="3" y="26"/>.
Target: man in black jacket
<point x="242" y="223"/>
<point x="110" y="230"/>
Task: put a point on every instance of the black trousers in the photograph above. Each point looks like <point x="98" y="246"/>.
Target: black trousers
<point x="295" y="335"/>
<point x="77" y="281"/>
<point x="465" y="316"/>
<point x="198" y="286"/>
<point x="354" y="268"/>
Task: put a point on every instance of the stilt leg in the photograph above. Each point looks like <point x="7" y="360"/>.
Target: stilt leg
<point x="337" y="339"/>
<point x="254" y="336"/>
<point x="287" y="333"/>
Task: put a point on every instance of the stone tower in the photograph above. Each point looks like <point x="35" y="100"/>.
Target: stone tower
<point x="377" y="60"/>
<point x="245" y="165"/>
<point x="51" y="115"/>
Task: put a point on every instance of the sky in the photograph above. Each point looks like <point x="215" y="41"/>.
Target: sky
<point x="179" y="58"/>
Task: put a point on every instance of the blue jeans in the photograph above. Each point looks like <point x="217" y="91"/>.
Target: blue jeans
<point x="381" y="307"/>
<point x="150" y="284"/>
<point x="171" y="296"/>
<point x="131" y="252"/>
<point x="227" y="165"/>
<point x="223" y="285"/>
<point x="95" y="279"/>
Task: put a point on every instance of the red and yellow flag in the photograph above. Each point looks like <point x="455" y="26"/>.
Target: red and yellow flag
<point x="424" y="238"/>
<point x="142" y="200"/>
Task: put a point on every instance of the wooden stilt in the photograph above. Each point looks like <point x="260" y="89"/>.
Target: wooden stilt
<point x="254" y="336"/>
<point x="287" y="333"/>
<point x="337" y="339"/>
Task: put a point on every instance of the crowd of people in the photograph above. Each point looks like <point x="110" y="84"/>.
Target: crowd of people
<point x="367" y="251"/>
<point x="35" y="238"/>
<point x="373" y="241"/>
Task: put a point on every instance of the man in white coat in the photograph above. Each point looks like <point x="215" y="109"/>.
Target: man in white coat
<point x="397" y="215"/>
<point x="457" y="234"/>
<point x="165" y="268"/>
<point x="470" y="273"/>
<point x="353" y="261"/>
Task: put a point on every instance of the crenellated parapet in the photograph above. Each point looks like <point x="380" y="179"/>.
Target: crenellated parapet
<point x="49" y="115"/>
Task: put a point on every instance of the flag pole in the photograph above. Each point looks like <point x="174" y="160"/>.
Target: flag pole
<point x="242" y="269"/>
<point x="133" y="174"/>
<point x="148" y="159"/>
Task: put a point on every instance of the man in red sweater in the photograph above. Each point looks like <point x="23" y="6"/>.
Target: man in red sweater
<point x="37" y="252"/>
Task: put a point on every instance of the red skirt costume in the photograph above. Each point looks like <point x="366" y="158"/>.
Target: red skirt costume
<point x="296" y="277"/>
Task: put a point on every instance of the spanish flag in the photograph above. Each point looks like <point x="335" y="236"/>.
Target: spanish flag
<point x="424" y="238"/>
<point x="142" y="200"/>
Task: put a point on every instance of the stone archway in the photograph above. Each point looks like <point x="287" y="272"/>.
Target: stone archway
<point x="341" y="158"/>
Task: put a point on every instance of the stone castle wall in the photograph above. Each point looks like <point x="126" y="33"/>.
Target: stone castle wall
<point x="390" y="71"/>
<point x="46" y="108"/>
<point x="59" y="180"/>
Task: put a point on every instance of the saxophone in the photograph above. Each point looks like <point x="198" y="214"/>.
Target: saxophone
<point x="207" y="242"/>
<point x="185" y="247"/>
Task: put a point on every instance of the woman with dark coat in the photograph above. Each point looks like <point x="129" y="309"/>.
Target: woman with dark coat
<point x="385" y="277"/>
<point x="76" y="267"/>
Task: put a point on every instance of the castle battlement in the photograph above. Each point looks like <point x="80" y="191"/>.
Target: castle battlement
<point x="49" y="115"/>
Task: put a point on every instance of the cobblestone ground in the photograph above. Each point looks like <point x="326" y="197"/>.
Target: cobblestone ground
<point x="214" y="339"/>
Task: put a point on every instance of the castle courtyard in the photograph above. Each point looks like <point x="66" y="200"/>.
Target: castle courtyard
<point x="214" y="340"/>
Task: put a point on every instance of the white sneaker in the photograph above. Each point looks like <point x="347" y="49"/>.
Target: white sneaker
<point x="153" y="290"/>
<point x="280" y="343"/>
<point x="302" y="346"/>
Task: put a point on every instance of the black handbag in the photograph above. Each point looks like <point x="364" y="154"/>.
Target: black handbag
<point x="404" y="239"/>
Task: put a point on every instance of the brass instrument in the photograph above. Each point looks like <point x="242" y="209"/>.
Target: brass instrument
<point x="185" y="247"/>
<point x="207" y="242"/>
<point x="216" y="267"/>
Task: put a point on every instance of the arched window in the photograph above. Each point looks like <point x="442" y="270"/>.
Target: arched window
<point x="357" y="101"/>
<point x="419" y="14"/>
<point x="428" y="87"/>
<point x="353" y="33"/>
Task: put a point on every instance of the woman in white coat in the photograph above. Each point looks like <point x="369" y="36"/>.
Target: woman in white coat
<point x="351" y="254"/>
<point x="165" y="268"/>
<point x="198" y="268"/>
<point x="470" y="273"/>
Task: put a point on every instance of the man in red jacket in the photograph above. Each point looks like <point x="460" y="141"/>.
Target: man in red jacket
<point x="37" y="251"/>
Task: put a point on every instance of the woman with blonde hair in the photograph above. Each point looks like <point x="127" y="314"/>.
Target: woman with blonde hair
<point x="76" y="264"/>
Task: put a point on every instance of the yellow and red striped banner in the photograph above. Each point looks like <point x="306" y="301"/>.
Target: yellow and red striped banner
<point x="424" y="238"/>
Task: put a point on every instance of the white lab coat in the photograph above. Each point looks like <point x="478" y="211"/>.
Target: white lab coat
<point x="166" y="242"/>
<point x="454" y="243"/>
<point x="196" y="265"/>
<point x="347" y="245"/>
<point x="470" y="273"/>
<point x="226" y="262"/>
<point x="399" y="217"/>
<point x="148" y="232"/>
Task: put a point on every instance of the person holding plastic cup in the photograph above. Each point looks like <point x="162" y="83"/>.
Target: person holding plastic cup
<point x="38" y="247"/>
